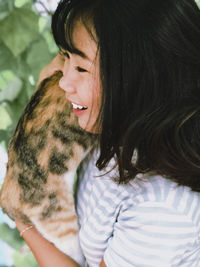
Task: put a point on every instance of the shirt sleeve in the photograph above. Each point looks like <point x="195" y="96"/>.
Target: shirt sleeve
<point x="153" y="234"/>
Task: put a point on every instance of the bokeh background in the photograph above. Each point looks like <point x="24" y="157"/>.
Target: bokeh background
<point x="26" y="46"/>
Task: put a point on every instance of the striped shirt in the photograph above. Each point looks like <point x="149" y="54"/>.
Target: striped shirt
<point x="151" y="222"/>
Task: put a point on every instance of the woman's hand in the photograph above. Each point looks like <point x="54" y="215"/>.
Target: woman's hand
<point x="46" y="254"/>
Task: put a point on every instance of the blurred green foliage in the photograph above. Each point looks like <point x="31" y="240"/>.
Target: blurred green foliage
<point x="26" y="46"/>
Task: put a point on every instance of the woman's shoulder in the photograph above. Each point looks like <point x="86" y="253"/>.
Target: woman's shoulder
<point x="150" y="211"/>
<point x="161" y="194"/>
<point x="145" y="189"/>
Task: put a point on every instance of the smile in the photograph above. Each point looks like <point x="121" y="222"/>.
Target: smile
<point x="75" y="106"/>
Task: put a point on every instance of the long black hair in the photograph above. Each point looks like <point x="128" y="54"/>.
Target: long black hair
<point x="150" y="75"/>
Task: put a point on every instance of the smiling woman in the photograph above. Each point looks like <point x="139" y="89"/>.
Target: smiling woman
<point x="80" y="78"/>
<point x="131" y="71"/>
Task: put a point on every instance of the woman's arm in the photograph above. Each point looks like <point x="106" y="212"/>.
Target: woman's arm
<point x="102" y="264"/>
<point x="46" y="254"/>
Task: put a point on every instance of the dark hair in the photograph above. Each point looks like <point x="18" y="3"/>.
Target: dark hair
<point x="150" y="73"/>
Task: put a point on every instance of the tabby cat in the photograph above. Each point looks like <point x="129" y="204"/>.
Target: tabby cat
<point x="43" y="156"/>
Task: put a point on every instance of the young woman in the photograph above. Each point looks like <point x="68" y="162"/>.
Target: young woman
<point x="131" y="70"/>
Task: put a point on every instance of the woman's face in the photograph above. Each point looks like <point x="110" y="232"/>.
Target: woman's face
<point x="81" y="79"/>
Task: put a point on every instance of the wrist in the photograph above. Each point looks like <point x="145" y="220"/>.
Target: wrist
<point x="22" y="227"/>
<point x="26" y="229"/>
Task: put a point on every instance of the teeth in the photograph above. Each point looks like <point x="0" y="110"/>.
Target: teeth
<point x="78" y="106"/>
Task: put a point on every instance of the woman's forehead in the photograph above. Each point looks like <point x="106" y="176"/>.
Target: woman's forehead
<point x="83" y="41"/>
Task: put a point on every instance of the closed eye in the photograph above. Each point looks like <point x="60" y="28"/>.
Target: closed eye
<point x="79" y="69"/>
<point x="67" y="55"/>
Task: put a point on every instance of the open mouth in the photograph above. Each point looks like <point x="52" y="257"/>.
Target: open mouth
<point x="75" y="106"/>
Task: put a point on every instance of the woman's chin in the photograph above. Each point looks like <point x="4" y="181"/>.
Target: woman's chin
<point x="88" y="126"/>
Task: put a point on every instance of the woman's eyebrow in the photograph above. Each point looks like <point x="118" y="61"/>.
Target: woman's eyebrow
<point x="81" y="54"/>
<point x="77" y="52"/>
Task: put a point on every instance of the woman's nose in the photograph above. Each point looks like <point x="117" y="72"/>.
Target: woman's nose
<point x="67" y="84"/>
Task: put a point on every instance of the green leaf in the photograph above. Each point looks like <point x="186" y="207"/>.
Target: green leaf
<point x="19" y="29"/>
<point x="20" y="3"/>
<point x="6" y="77"/>
<point x="5" y="136"/>
<point x="6" y="6"/>
<point x="44" y="23"/>
<point x="5" y="118"/>
<point x="2" y="144"/>
<point x="11" y="91"/>
<point x="15" y="109"/>
<point x="51" y="44"/>
<point x="35" y="62"/>
<point x="10" y="86"/>
<point x="198" y="3"/>
<point x="22" y="70"/>
<point x="11" y="236"/>
<point x="7" y="61"/>
<point x="24" y="259"/>
<point x="28" y="90"/>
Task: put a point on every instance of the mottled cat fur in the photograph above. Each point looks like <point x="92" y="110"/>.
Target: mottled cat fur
<point x="43" y="156"/>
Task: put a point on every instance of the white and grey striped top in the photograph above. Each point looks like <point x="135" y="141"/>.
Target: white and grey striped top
<point x="150" y="222"/>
